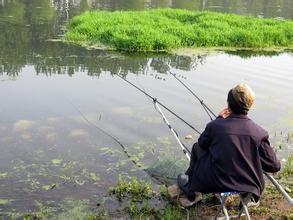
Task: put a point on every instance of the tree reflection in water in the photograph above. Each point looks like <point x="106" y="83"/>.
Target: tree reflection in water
<point x="27" y="26"/>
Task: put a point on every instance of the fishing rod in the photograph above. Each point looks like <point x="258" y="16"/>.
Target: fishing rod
<point x="280" y="188"/>
<point x="270" y="177"/>
<point x="185" y="150"/>
<point x="205" y="107"/>
<point x="155" y="100"/>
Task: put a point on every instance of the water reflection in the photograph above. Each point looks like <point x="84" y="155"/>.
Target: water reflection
<point x="59" y="58"/>
<point x="271" y="8"/>
<point x="26" y="27"/>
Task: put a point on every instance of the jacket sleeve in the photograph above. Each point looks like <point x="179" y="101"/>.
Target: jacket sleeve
<point x="268" y="157"/>
<point x="204" y="139"/>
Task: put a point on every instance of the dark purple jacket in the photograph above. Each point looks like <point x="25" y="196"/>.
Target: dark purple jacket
<point x="238" y="151"/>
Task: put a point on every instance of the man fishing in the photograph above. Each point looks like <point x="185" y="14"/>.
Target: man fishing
<point x="231" y="154"/>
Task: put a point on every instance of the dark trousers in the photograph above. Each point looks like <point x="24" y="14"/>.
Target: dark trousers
<point x="196" y="153"/>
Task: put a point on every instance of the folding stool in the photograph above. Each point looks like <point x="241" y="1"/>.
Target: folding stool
<point x="244" y="199"/>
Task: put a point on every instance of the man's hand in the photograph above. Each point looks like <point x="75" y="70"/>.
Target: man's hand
<point x="225" y="113"/>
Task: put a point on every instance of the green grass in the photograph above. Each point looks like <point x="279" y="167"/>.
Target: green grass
<point x="134" y="189"/>
<point x="167" y="29"/>
<point x="287" y="170"/>
<point x="141" y="196"/>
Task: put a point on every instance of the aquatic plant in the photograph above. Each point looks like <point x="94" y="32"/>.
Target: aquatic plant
<point x="287" y="170"/>
<point x="143" y="200"/>
<point x="70" y="209"/>
<point x="133" y="189"/>
<point x="77" y="210"/>
<point x="42" y="212"/>
<point x="166" y="29"/>
<point x="4" y="202"/>
<point x="140" y="210"/>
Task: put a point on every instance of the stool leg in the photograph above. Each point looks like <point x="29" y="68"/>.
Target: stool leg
<point x="240" y="211"/>
<point x="223" y="207"/>
<point x="244" y="207"/>
<point x="220" y="209"/>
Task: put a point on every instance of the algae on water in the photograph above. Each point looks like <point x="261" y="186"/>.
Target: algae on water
<point x="56" y="161"/>
<point x="167" y="29"/>
<point x="4" y="202"/>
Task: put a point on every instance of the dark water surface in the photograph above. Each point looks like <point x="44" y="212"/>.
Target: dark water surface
<point x="48" y="151"/>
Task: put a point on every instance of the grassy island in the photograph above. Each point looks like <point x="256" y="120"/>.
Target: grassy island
<point x="167" y="29"/>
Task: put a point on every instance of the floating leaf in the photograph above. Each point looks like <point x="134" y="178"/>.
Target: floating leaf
<point x="288" y="190"/>
<point x="79" y="182"/>
<point x="3" y="175"/>
<point x="49" y="187"/>
<point x="5" y="201"/>
<point x="46" y="187"/>
<point x="94" y="177"/>
<point x="188" y="137"/>
<point x="56" y="161"/>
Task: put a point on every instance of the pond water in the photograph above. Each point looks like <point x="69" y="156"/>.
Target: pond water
<point x="50" y="153"/>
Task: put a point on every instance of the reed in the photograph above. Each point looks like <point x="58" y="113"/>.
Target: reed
<point x="167" y="29"/>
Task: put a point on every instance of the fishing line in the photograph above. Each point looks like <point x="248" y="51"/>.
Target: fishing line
<point x="106" y="133"/>
<point x="205" y="107"/>
<point x="165" y="107"/>
<point x="158" y="109"/>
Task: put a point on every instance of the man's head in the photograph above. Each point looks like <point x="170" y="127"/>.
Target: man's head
<point x="240" y="99"/>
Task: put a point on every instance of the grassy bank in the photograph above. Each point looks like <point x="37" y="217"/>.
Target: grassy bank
<point x="144" y="203"/>
<point x="167" y="29"/>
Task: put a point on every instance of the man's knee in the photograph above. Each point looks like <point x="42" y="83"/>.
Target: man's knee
<point x="197" y="151"/>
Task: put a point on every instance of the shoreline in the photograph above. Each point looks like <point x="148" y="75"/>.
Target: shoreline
<point x="143" y="199"/>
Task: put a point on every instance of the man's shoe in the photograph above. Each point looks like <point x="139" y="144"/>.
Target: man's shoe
<point x="174" y="191"/>
<point x="249" y="200"/>
<point x="253" y="204"/>
<point x="198" y="197"/>
<point x="185" y="202"/>
<point x="182" y="180"/>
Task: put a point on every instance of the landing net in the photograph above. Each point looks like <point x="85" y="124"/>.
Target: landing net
<point x="166" y="169"/>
